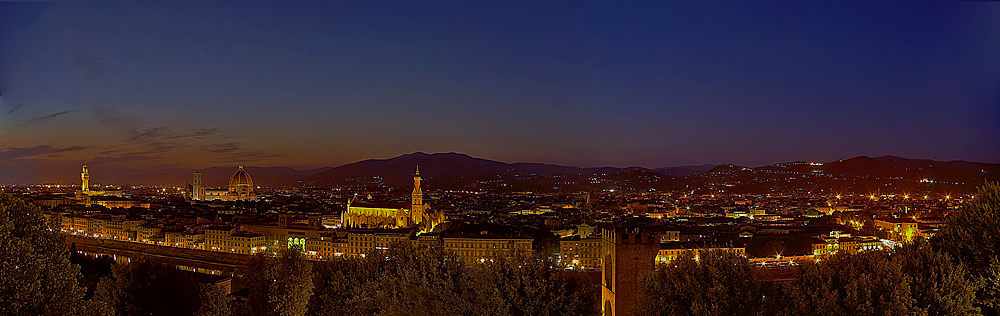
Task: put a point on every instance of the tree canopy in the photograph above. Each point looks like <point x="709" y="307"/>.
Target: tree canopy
<point x="434" y="281"/>
<point x="972" y="236"/>
<point x="279" y="285"/>
<point x="36" y="277"/>
<point x="714" y="282"/>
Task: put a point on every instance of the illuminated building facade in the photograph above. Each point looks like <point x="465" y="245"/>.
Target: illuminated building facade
<point x="325" y="247"/>
<point x="393" y="215"/>
<point x="229" y="239"/>
<point x="290" y="230"/>
<point x="478" y="249"/>
<point x="845" y="244"/>
<point x="360" y="242"/>
<point x="670" y="251"/>
<point x="898" y="229"/>
<point x="580" y="253"/>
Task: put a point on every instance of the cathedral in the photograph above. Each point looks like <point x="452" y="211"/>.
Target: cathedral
<point x="240" y="188"/>
<point x="393" y="215"/>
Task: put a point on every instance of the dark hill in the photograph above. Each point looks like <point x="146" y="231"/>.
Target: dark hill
<point x="460" y="171"/>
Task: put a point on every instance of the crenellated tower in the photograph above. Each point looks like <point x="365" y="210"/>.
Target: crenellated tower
<point x="85" y="176"/>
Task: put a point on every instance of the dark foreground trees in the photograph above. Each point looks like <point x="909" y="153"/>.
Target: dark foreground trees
<point x="405" y="279"/>
<point x="714" y="283"/>
<point x="36" y="277"/>
<point x="972" y="237"/>
<point x="913" y="280"/>
<point x="278" y="285"/>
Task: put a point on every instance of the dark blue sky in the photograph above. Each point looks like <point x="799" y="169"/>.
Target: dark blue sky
<point x="586" y="84"/>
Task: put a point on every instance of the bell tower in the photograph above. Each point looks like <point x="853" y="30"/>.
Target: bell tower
<point x="196" y="193"/>
<point x="417" y="197"/>
<point x="85" y="176"/>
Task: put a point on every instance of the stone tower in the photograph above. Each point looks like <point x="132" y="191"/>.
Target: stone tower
<point x="196" y="192"/>
<point x="85" y="176"/>
<point x="628" y="253"/>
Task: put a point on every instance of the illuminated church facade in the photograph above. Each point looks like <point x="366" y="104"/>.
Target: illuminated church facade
<point x="393" y="215"/>
<point x="240" y="188"/>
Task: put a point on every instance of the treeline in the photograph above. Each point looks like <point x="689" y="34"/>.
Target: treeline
<point x="956" y="273"/>
<point x="405" y="280"/>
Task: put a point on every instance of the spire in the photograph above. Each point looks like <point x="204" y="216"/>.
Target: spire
<point x="241" y="165"/>
<point x="417" y="197"/>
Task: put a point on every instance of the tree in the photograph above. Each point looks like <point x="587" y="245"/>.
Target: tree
<point x="989" y="295"/>
<point x="972" y="236"/>
<point x="396" y="281"/>
<point x="939" y="285"/>
<point x="863" y="284"/>
<point x="713" y="283"/>
<point x="36" y="277"/>
<point x="531" y="284"/>
<point x="279" y="285"/>
<point x="432" y="280"/>
<point x="147" y="287"/>
<point x="213" y="301"/>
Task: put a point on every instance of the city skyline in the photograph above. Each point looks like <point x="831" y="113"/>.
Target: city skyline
<point x="590" y="85"/>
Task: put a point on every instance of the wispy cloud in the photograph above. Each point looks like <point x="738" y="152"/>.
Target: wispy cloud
<point x="43" y="119"/>
<point x="162" y="133"/>
<point x="234" y="151"/>
<point x="14" y="109"/>
<point x="10" y="153"/>
<point x="223" y="148"/>
<point x="129" y="158"/>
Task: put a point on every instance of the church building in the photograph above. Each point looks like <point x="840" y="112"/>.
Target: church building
<point x="240" y="188"/>
<point x="393" y="215"/>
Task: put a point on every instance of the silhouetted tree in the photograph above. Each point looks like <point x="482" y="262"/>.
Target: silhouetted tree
<point x="939" y="285"/>
<point x="531" y="284"/>
<point x="147" y="287"/>
<point x="396" y="281"/>
<point x="279" y="285"/>
<point x="972" y="236"/>
<point x="36" y="277"/>
<point x="214" y="301"/>
<point x="864" y="284"/>
<point x="715" y="283"/>
<point x="433" y="281"/>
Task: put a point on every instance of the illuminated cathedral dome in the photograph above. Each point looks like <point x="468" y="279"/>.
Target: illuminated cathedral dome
<point x="240" y="178"/>
<point x="241" y="186"/>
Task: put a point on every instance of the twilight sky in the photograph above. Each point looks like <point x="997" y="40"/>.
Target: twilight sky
<point x="194" y="85"/>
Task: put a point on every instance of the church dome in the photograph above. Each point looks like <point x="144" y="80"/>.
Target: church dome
<point x="240" y="178"/>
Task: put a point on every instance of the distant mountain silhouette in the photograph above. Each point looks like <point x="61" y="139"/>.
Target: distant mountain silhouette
<point x="461" y="171"/>
<point x="858" y="174"/>
<point x="684" y="171"/>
